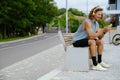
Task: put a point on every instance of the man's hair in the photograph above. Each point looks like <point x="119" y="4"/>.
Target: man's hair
<point x="93" y="12"/>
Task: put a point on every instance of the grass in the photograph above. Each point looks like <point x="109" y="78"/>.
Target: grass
<point x="13" y="39"/>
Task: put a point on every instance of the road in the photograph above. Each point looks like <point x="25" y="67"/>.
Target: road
<point x="16" y="51"/>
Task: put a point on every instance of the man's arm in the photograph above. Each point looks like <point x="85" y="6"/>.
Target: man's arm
<point x="88" y="28"/>
<point x="104" y="31"/>
<point x="102" y="34"/>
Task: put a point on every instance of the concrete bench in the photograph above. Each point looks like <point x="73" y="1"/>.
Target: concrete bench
<point x="77" y="58"/>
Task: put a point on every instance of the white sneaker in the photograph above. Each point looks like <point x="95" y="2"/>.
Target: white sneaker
<point x="104" y="65"/>
<point x="98" y="68"/>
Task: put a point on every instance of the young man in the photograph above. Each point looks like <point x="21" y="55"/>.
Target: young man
<point x="89" y="34"/>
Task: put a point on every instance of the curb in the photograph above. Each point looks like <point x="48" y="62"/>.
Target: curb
<point x="22" y="39"/>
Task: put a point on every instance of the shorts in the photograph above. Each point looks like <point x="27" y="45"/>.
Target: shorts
<point x="81" y="43"/>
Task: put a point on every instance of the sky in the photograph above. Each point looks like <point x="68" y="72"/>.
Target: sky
<point x="82" y="5"/>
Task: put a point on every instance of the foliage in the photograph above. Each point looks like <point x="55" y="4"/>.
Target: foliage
<point x="24" y="17"/>
<point x="61" y="11"/>
<point x="73" y="21"/>
<point x="103" y="23"/>
<point x="76" y="12"/>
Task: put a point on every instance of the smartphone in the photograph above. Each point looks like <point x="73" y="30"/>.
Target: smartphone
<point x="110" y="25"/>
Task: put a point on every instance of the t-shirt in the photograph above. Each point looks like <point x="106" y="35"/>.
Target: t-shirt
<point x="82" y="34"/>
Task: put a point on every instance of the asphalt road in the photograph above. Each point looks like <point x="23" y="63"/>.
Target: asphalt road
<point x="16" y="51"/>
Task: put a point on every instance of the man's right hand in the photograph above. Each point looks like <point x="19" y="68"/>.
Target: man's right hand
<point x="106" y="29"/>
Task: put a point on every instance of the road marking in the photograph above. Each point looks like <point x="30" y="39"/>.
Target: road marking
<point x="50" y="75"/>
<point x="5" y="45"/>
<point x="29" y="43"/>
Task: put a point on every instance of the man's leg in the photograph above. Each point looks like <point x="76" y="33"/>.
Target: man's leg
<point x="100" y="51"/>
<point x="99" y="44"/>
<point x="92" y="49"/>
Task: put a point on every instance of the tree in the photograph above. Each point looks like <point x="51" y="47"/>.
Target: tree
<point x="15" y="16"/>
<point x="73" y="19"/>
<point x="76" y="12"/>
<point x="103" y="23"/>
<point x="21" y="17"/>
<point x="61" y="11"/>
<point x="45" y="11"/>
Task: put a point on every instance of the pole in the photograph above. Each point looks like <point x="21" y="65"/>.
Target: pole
<point x="59" y="24"/>
<point x="46" y="16"/>
<point x="87" y="8"/>
<point x="109" y="38"/>
<point x="66" y="18"/>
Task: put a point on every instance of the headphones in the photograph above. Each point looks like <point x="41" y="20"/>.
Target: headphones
<point x="97" y="7"/>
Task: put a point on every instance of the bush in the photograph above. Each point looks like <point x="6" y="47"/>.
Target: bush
<point x="74" y="28"/>
<point x="102" y="23"/>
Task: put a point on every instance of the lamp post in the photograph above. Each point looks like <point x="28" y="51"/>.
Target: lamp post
<point x="59" y="24"/>
<point x="87" y="8"/>
<point x="45" y="15"/>
<point x="66" y="18"/>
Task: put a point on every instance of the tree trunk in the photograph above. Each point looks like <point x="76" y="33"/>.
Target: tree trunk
<point x="43" y="29"/>
<point x="14" y="31"/>
<point x="4" y="32"/>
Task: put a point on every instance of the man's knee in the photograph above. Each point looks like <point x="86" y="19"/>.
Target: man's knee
<point x="92" y="42"/>
<point x="99" y="42"/>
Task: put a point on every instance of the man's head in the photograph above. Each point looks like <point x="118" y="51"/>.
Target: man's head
<point x="96" y="13"/>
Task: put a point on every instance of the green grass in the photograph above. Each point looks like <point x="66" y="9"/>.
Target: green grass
<point x="13" y="39"/>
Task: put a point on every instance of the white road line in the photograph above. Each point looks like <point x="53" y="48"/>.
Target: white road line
<point x="50" y="75"/>
<point x="28" y="43"/>
<point x="4" y="45"/>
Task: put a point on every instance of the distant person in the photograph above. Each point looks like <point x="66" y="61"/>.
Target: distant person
<point x="89" y="34"/>
<point x="112" y="21"/>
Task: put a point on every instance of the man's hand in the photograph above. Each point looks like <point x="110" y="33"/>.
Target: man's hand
<point x="103" y="31"/>
<point x="100" y="32"/>
<point x="106" y="29"/>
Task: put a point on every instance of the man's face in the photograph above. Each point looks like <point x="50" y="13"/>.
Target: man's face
<point x="98" y="15"/>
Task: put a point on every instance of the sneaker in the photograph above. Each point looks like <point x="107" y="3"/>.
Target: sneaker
<point x="98" y="68"/>
<point x="104" y="65"/>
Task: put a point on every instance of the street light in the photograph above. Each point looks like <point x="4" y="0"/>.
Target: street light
<point x="66" y="18"/>
<point x="58" y="24"/>
<point x="87" y="8"/>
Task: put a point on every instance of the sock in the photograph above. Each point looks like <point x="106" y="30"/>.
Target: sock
<point x="99" y="58"/>
<point x="94" y="60"/>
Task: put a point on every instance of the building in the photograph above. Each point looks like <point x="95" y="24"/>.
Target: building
<point x="114" y="11"/>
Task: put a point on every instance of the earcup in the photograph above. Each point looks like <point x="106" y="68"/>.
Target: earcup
<point x="93" y="13"/>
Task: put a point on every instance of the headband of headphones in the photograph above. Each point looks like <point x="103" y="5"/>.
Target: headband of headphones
<point x="97" y="7"/>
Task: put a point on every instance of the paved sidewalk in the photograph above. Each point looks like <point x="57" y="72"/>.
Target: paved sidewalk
<point x="34" y="67"/>
<point x="111" y="56"/>
<point x="53" y="58"/>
